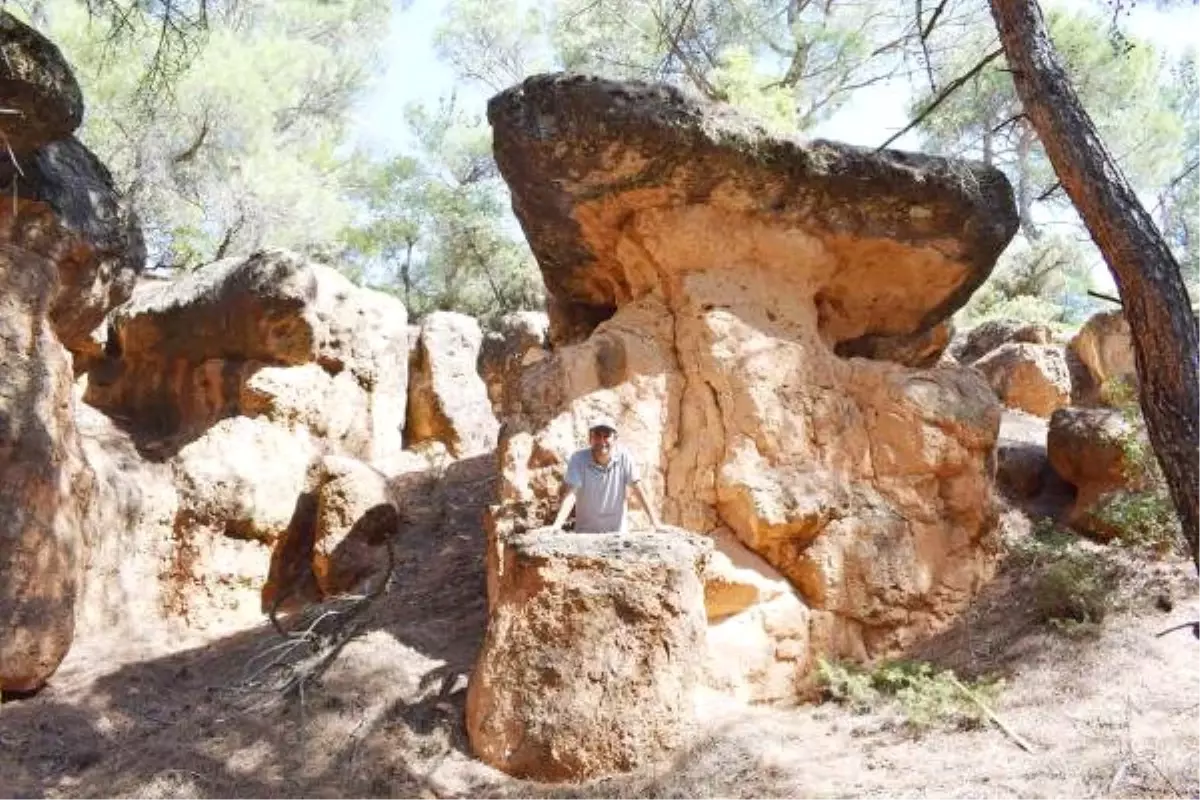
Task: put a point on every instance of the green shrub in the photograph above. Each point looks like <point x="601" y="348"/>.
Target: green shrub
<point x="923" y="695"/>
<point x="1142" y="519"/>
<point x="1074" y="585"/>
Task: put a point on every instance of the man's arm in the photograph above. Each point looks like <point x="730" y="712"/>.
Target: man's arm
<point x="655" y="522"/>
<point x="564" y="510"/>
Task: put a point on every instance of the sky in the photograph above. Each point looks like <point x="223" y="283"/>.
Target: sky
<point x="413" y="73"/>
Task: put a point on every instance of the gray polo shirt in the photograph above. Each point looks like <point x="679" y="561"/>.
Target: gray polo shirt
<point x="600" y="491"/>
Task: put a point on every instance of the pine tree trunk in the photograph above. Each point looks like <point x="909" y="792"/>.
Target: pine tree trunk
<point x="1147" y="275"/>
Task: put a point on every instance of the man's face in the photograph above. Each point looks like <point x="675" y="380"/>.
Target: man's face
<point x="601" y="440"/>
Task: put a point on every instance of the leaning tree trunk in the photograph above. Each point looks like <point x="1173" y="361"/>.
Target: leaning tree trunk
<point x="1147" y="275"/>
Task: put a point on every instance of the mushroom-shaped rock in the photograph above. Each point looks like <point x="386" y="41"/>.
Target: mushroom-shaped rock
<point x="1090" y="448"/>
<point x="448" y="401"/>
<point x="1028" y="377"/>
<point x="593" y="650"/>
<point x="1104" y="350"/>
<point x="623" y="189"/>
<point x="987" y="336"/>
<point x="38" y="91"/>
<point x="269" y="335"/>
<point x="724" y="297"/>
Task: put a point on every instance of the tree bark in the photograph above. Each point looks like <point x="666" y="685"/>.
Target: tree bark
<point x="1147" y="275"/>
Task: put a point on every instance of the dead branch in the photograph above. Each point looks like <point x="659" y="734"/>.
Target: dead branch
<point x="287" y="669"/>
<point x="1195" y="626"/>
<point x="950" y="89"/>
<point x="1102" y="296"/>
<point x="1009" y="732"/>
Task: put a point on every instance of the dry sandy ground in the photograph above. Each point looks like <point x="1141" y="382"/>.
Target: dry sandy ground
<point x="1110" y="716"/>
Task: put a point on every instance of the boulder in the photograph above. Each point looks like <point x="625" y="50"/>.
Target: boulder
<point x="593" y="651"/>
<point x="987" y="336"/>
<point x="1028" y="377"/>
<point x="356" y="514"/>
<point x="519" y="338"/>
<point x="102" y="250"/>
<point x="1095" y="450"/>
<point x="269" y="335"/>
<point x="1103" y="348"/>
<point x="731" y="300"/>
<point x="41" y="98"/>
<point x="48" y="486"/>
<point x="447" y="400"/>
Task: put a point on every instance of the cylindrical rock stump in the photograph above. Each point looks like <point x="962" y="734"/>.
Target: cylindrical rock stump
<point x="593" y="649"/>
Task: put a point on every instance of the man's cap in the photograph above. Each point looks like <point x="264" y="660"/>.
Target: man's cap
<point x="603" y="422"/>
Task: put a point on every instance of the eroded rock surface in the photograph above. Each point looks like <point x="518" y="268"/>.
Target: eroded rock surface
<point x="270" y="335"/>
<point x="1104" y="349"/>
<point x="1028" y="377"/>
<point x="707" y="286"/>
<point x="987" y="336"/>
<point x="593" y="650"/>
<point x="47" y="485"/>
<point x="448" y="401"/>
<point x="42" y="101"/>
<point x="68" y="251"/>
<point x="519" y="339"/>
<point x="1094" y="450"/>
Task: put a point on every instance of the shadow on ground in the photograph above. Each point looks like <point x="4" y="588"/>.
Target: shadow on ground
<point x="384" y="719"/>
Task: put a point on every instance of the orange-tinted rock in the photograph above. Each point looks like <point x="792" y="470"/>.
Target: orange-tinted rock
<point x="594" y="648"/>
<point x="1028" y="377"/>
<point x="987" y="336"/>
<point x="1093" y="450"/>
<point x="47" y="485"/>
<point x="270" y="336"/>
<point x="708" y="286"/>
<point x="1104" y="350"/>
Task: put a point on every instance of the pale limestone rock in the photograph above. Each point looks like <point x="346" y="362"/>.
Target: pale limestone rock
<point x="448" y="401"/>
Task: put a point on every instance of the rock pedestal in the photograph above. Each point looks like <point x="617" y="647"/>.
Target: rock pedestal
<point x="593" y="650"/>
<point x="745" y="308"/>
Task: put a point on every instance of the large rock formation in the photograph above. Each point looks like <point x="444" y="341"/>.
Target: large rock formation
<point x="69" y="250"/>
<point x="261" y="383"/>
<point x="987" y="336"/>
<point x="47" y="484"/>
<point x="591" y="656"/>
<point x="729" y="298"/>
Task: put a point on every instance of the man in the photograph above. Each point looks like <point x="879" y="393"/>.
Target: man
<point x="598" y="480"/>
